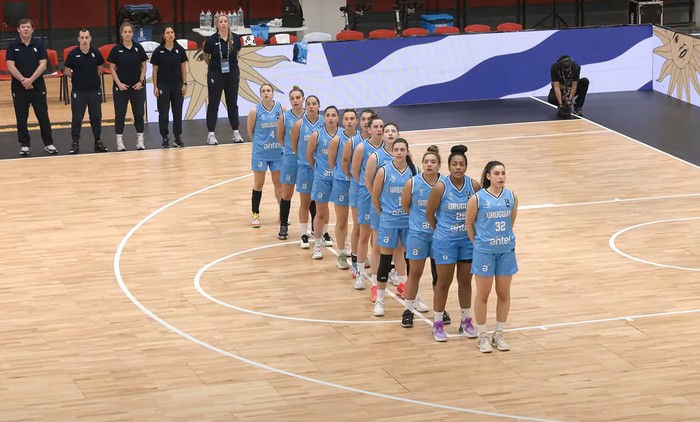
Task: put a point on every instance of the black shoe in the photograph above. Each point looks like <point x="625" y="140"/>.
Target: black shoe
<point x="407" y="319"/>
<point x="99" y="146"/>
<point x="327" y="240"/>
<point x="74" y="148"/>
<point x="578" y="111"/>
<point x="446" y="318"/>
<point x="165" y="144"/>
<point x="284" y="232"/>
<point x="178" y="142"/>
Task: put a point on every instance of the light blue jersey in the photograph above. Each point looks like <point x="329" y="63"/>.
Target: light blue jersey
<point x="338" y="173"/>
<point x="305" y="131"/>
<point x="368" y="150"/>
<point x="321" y="168"/>
<point x="356" y="140"/>
<point x="289" y="119"/>
<point x="420" y="191"/>
<point x="493" y="225"/>
<point x="266" y="147"/>
<point x="452" y="213"/>
<point x="393" y="216"/>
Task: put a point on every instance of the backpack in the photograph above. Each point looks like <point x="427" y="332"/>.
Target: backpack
<point x="292" y="15"/>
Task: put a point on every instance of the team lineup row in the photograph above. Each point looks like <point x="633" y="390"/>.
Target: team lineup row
<point x="405" y="214"/>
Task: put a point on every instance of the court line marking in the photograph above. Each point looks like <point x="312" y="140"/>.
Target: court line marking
<point x="484" y="126"/>
<point x="512" y="138"/>
<point x="629" y="138"/>
<point x="174" y="329"/>
<point x="614" y="247"/>
<point x="203" y="292"/>
<point x="606" y="201"/>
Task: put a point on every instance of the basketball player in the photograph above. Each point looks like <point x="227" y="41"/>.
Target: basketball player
<point x="267" y="150"/>
<point x="446" y="213"/>
<point x="290" y="165"/>
<point x="490" y="218"/>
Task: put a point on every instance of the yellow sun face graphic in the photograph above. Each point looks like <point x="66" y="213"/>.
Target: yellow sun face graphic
<point x="248" y="60"/>
<point x="681" y="53"/>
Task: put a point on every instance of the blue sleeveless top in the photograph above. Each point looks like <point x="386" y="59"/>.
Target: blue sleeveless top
<point x="338" y="173"/>
<point x="452" y="213"/>
<point x="393" y="216"/>
<point x="420" y="191"/>
<point x="266" y="147"/>
<point x="321" y="168"/>
<point x="369" y="149"/>
<point x="289" y="120"/>
<point x="305" y="131"/>
<point x="493" y="224"/>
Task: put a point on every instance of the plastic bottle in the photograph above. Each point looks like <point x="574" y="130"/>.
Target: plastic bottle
<point x="235" y="24"/>
<point x="229" y="15"/>
<point x="241" y="21"/>
<point x="202" y="20"/>
<point x="208" y="20"/>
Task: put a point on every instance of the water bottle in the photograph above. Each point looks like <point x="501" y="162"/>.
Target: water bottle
<point x="241" y="22"/>
<point x="202" y="20"/>
<point x="235" y="24"/>
<point x="208" y="20"/>
<point x="229" y="15"/>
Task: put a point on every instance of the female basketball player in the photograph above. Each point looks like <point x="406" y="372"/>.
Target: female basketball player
<point x="341" y="184"/>
<point x="348" y="152"/>
<point x="446" y="213"/>
<point x="414" y="199"/>
<point x="393" y="220"/>
<point x="288" y="177"/>
<point x="267" y="150"/>
<point x="301" y="132"/>
<point x="490" y="218"/>
<point x="317" y="156"/>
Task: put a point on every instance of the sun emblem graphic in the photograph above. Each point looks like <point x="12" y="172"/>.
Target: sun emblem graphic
<point x="248" y="60"/>
<point x="681" y="53"/>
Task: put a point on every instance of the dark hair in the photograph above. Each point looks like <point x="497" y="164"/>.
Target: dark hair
<point x="296" y="88"/>
<point x="162" y="40"/>
<point x="350" y="110"/>
<point x="368" y="110"/>
<point x="331" y="107"/>
<point x="373" y="118"/>
<point x="313" y="96"/>
<point x="485" y="182"/>
<point x="25" y="21"/>
<point x="409" y="160"/>
<point x="458" y="150"/>
<point x="564" y="62"/>
<point x="434" y="150"/>
<point x="392" y="124"/>
<point x="84" y="30"/>
<point x="125" y="23"/>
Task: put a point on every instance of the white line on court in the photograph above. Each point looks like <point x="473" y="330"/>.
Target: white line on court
<point x="514" y="138"/>
<point x="164" y="323"/>
<point x="614" y="247"/>
<point x="625" y="136"/>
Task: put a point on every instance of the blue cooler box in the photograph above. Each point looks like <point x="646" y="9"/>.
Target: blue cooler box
<point x="143" y="33"/>
<point x="430" y="22"/>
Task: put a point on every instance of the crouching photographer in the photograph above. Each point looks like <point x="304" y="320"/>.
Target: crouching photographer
<point x="568" y="88"/>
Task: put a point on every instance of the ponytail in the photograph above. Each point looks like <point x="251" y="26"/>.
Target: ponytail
<point x="485" y="182"/>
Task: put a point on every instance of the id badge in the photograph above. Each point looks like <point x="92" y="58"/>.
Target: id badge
<point x="225" y="66"/>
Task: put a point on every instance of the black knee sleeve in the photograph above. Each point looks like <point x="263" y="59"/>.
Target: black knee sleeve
<point x="433" y="271"/>
<point x="384" y="268"/>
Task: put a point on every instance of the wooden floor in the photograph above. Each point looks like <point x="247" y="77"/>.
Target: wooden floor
<point x="102" y="320"/>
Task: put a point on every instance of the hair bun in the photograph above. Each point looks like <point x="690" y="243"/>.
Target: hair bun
<point x="459" y="149"/>
<point x="434" y="149"/>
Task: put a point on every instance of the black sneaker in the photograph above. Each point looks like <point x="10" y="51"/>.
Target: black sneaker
<point x="407" y="319"/>
<point x="446" y="318"/>
<point x="99" y="146"/>
<point x="283" y="234"/>
<point x="327" y="241"/>
<point x="165" y="144"/>
<point x="178" y="142"/>
<point x="304" y="244"/>
<point x="74" y="148"/>
<point x="578" y="111"/>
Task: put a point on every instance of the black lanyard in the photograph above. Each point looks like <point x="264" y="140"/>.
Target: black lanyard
<point x="221" y="51"/>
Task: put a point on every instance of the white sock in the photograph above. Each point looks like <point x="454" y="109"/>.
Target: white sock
<point x="437" y="316"/>
<point x="120" y="138"/>
<point x="319" y="242"/>
<point x="465" y="313"/>
<point x="402" y="278"/>
<point x="410" y="304"/>
<point x="380" y="295"/>
<point x="210" y="134"/>
<point x="325" y="228"/>
<point x="374" y="279"/>
<point x="499" y="326"/>
<point x="481" y="329"/>
<point x="304" y="228"/>
<point x="139" y="137"/>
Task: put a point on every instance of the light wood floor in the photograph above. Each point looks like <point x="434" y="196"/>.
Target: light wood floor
<point x="75" y="346"/>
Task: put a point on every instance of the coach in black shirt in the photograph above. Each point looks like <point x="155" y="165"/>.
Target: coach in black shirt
<point x="84" y="66"/>
<point x="567" y="84"/>
<point x="26" y="61"/>
<point x="127" y="62"/>
<point x="169" y="84"/>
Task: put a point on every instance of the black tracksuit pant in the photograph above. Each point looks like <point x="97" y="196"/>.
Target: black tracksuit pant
<point x="579" y="99"/>
<point x="226" y="83"/>
<point x="22" y="99"/>
<point x="121" y="100"/>
<point x="170" y="96"/>
<point x="92" y="100"/>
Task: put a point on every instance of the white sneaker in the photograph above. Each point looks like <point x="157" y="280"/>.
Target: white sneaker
<point x="24" y="150"/>
<point x="420" y="306"/>
<point x="51" y="149"/>
<point x="343" y="261"/>
<point x="484" y="344"/>
<point x="317" y="254"/>
<point x="211" y="139"/>
<point x="120" y="143"/>
<point x="139" y="142"/>
<point x="378" y="308"/>
<point x="393" y="278"/>
<point x="327" y="241"/>
<point x="237" y="138"/>
<point x="499" y="342"/>
<point x="360" y="282"/>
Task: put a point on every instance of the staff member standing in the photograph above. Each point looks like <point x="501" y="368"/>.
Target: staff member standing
<point x="26" y="61"/>
<point x="127" y="62"/>
<point x="221" y="55"/>
<point x="169" y="84"/>
<point x="84" y="67"/>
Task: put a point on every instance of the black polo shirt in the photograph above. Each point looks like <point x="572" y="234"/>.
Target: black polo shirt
<point x="26" y="58"/>
<point x="565" y="79"/>
<point x="84" y="66"/>
<point x="128" y="62"/>
<point x="169" y="64"/>
<point x="211" y="46"/>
